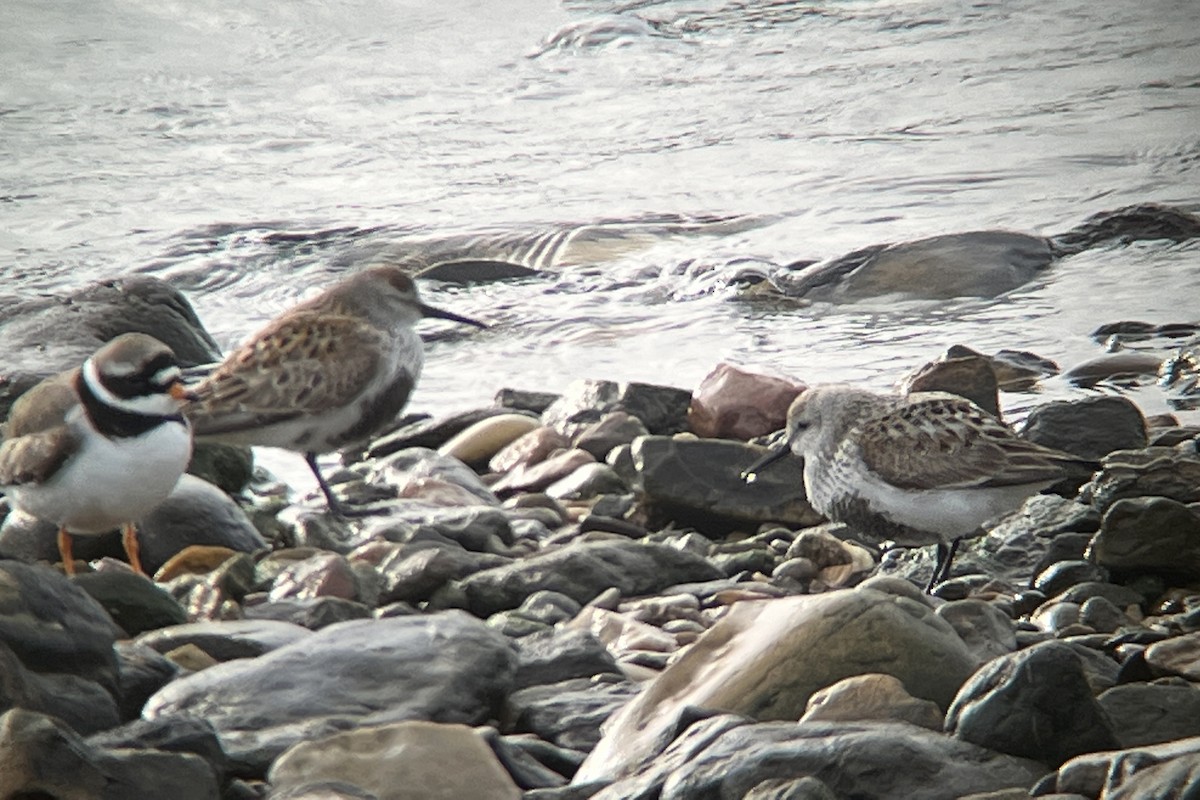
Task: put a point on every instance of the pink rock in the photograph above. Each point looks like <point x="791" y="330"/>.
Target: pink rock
<point x="530" y="448"/>
<point x="735" y="403"/>
<point x="436" y="492"/>
<point x="324" y="575"/>
<point x="539" y="476"/>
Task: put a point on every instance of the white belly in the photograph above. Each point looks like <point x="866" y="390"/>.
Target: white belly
<point x="110" y="481"/>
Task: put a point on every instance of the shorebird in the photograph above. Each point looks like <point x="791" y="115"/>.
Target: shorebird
<point x="326" y="374"/>
<point x="101" y="445"/>
<point x="929" y="468"/>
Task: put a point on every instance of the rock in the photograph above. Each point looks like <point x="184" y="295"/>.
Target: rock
<point x="443" y="667"/>
<point x="392" y="761"/>
<point x="968" y="375"/>
<point x="183" y="735"/>
<point x="587" y="482"/>
<point x="313" y="613"/>
<point x="697" y="482"/>
<point x="766" y="659"/>
<point x="732" y="402"/>
<point x="420" y="431"/>
<point x="1120" y="596"/>
<point x="1154" y="471"/>
<point x="320" y="575"/>
<point x="53" y="626"/>
<point x="1035" y="703"/>
<point x="526" y="770"/>
<point x="143" y="671"/>
<point x="529" y="449"/>
<point x="1061" y="575"/>
<point x="867" y="761"/>
<point x="413" y="573"/>
<point x="985" y="629"/>
<point x="483" y="440"/>
<point x="611" y="430"/>
<point x="1089" y="428"/>
<point x="807" y="788"/>
<point x="81" y="703"/>
<point x="418" y="463"/>
<point x="871" y="697"/>
<point x="1093" y="773"/>
<point x="1145" y="714"/>
<point x="555" y="656"/>
<point x="195" y="513"/>
<point x="228" y="467"/>
<point x="323" y="790"/>
<point x="568" y="713"/>
<point x="1176" y="656"/>
<point x="525" y="400"/>
<point x="1148" y="534"/>
<point x="227" y="640"/>
<point x="45" y="335"/>
<point x="537" y="477"/>
<point x="1102" y="615"/>
<point x="583" y="570"/>
<point x="1123" y="365"/>
<point x="662" y="409"/>
<point x="479" y="528"/>
<point x="982" y="263"/>
<point x="40" y="756"/>
<point x="1137" y="780"/>
<point x="133" y="601"/>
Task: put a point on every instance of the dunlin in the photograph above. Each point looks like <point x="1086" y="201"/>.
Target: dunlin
<point x="100" y="446"/>
<point x="325" y="375"/>
<point x="923" y="469"/>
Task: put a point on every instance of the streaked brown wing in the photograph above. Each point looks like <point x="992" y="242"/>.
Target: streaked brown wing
<point x="35" y="457"/>
<point x="948" y="443"/>
<point x="300" y="364"/>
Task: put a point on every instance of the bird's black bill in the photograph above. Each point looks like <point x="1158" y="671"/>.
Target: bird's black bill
<point x="750" y="473"/>
<point x="438" y="313"/>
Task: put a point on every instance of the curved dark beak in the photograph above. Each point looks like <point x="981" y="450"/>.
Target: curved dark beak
<point x="750" y="473"/>
<point x="438" y="313"/>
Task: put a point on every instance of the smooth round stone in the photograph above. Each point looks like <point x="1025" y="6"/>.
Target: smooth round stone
<point x="768" y="658"/>
<point x="871" y="696"/>
<point x="1062" y="575"/>
<point x="445" y="761"/>
<point x="1177" y="656"/>
<point x="1101" y="615"/>
<point x="480" y="442"/>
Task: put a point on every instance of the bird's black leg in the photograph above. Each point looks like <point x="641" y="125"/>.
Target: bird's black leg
<point x="942" y="558"/>
<point x="950" y="558"/>
<point x="335" y="505"/>
<point x="941" y="570"/>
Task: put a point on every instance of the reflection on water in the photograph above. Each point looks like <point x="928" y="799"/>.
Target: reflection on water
<point x="250" y="152"/>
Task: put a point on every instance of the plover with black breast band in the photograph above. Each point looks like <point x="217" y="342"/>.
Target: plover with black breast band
<point x="100" y="446"/>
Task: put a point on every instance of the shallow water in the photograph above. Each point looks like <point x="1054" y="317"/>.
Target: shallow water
<point x="249" y="151"/>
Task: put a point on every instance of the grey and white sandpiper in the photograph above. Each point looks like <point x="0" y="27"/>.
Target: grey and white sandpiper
<point x="327" y="374"/>
<point x="100" y="446"/>
<point x="929" y="468"/>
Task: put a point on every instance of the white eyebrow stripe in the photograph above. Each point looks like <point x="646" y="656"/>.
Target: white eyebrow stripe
<point x="167" y="375"/>
<point x="91" y="375"/>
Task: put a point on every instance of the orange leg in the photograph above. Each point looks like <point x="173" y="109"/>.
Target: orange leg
<point x="132" y="548"/>
<point x="64" y="551"/>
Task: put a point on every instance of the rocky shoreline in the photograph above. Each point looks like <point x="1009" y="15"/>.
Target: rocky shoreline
<point x="535" y="568"/>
